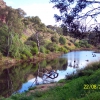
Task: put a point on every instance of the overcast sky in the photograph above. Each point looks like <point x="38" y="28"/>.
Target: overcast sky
<point x="41" y="8"/>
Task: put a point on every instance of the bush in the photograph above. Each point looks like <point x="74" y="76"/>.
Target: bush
<point x="54" y="39"/>
<point x="50" y="31"/>
<point x="23" y="56"/>
<point x="77" y="44"/>
<point x="34" y="50"/>
<point x="27" y="53"/>
<point x="34" y="44"/>
<point x="52" y="47"/>
<point x="62" y="40"/>
<point x="66" y="47"/>
<point x="47" y="51"/>
<point x="42" y="49"/>
<point x="62" y="49"/>
<point x="82" y="43"/>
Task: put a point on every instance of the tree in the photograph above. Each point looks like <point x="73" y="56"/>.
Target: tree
<point x="76" y="15"/>
<point x="38" y="28"/>
<point x="14" y="19"/>
<point x="62" y="40"/>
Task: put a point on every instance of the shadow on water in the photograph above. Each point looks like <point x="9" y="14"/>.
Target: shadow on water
<point x="19" y="78"/>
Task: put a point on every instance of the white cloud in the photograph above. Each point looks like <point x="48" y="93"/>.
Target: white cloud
<point x="44" y="11"/>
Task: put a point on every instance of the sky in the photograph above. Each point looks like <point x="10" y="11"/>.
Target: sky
<point x="41" y="8"/>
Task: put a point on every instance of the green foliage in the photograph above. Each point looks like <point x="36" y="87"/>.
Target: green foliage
<point x="82" y="43"/>
<point x="18" y="49"/>
<point x="52" y="47"/>
<point x="54" y="39"/>
<point x="62" y="40"/>
<point x="66" y="47"/>
<point x="36" y="20"/>
<point x="27" y="53"/>
<point x="77" y="44"/>
<point x="47" y="51"/>
<point x="42" y="49"/>
<point x="34" y="50"/>
<point x="50" y="31"/>
<point x="21" y="97"/>
<point x="32" y="88"/>
<point x="62" y="49"/>
<point x="14" y="19"/>
<point x="23" y="56"/>
<point x="3" y="39"/>
<point x="43" y="63"/>
<point x="73" y="89"/>
<point x="34" y="44"/>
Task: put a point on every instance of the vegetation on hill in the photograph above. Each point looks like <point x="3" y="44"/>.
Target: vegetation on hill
<point x="23" y="37"/>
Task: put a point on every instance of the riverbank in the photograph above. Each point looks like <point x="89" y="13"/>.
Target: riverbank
<point x="39" y="57"/>
<point x="85" y="85"/>
<point x="7" y="62"/>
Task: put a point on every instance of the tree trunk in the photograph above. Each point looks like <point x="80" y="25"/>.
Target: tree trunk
<point x="38" y="42"/>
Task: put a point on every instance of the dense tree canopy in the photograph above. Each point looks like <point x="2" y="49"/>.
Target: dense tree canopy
<point x="78" y="16"/>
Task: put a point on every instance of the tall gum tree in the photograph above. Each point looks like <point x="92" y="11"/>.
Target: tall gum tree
<point x="78" y="16"/>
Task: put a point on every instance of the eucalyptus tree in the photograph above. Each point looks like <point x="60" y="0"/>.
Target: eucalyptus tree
<point x="14" y="19"/>
<point x="39" y="28"/>
<point x="77" y="16"/>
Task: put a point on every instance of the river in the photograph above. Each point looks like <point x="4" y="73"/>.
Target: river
<point x="22" y="76"/>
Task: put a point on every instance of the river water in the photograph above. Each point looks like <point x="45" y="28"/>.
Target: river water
<point x="20" y="77"/>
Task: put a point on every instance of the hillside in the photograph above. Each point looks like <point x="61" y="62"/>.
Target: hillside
<point x="24" y="37"/>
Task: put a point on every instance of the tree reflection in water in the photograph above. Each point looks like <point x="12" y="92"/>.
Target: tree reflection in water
<point x="45" y="75"/>
<point x="13" y="78"/>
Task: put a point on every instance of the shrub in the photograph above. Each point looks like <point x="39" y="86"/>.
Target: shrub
<point x="50" y="31"/>
<point x="42" y="49"/>
<point x="34" y="44"/>
<point x="77" y="44"/>
<point x="62" y="49"/>
<point x="54" y="39"/>
<point x="66" y="47"/>
<point x="34" y="50"/>
<point x="52" y="47"/>
<point x="47" y="51"/>
<point x="23" y="56"/>
<point x="27" y="53"/>
<point x="62" y="40"/>
<point x="82" y="43"/>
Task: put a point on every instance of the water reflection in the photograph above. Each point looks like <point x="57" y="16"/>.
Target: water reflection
<point x="47" y="72"/>
<point x="20" y="77"/>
